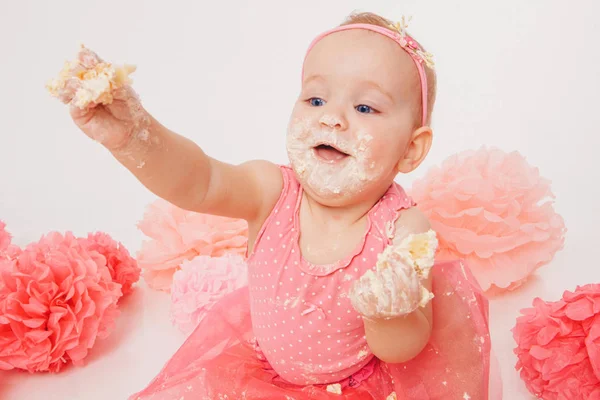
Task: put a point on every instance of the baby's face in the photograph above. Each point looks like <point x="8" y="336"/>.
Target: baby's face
<point x="355" y="115"/>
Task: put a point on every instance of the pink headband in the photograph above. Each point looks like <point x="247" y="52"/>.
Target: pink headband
<point x="397" y="34"/>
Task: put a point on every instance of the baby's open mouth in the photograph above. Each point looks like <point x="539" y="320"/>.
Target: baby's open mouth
<point x="329" y="153"/>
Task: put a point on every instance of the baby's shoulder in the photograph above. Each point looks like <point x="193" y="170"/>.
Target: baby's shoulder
<point x="412" y="220"/>
<point x="269" y="180"/>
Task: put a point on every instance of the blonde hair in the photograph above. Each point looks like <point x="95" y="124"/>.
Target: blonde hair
<point x="374" y="19"/>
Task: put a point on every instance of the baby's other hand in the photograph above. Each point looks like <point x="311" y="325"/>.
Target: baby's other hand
<point x="395" y="287"/>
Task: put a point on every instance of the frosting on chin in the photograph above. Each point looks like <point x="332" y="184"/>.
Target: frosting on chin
<point x="345" y="176"/>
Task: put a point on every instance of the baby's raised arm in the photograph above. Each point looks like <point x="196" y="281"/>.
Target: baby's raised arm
<point x="106" y="109"/>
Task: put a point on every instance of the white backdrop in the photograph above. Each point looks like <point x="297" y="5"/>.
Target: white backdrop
<point x="518" y="75"/>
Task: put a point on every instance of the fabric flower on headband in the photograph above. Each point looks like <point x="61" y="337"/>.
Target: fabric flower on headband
<point x="410" y="44"/>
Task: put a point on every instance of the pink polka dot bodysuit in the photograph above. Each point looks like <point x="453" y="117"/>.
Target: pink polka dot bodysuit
<point x="302" y="317"/>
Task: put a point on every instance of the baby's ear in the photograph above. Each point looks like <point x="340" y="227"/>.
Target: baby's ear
<point x="417" y="150"/>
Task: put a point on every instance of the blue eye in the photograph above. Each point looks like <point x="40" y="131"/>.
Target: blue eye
<point x="316" y="102"/>
<point x="364" y="109"/>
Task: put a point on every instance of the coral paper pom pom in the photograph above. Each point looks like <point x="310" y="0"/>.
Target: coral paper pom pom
<point x="200" y="283"/>
<point x="558" y="346"/>
<point x="178" y="235"/>
<point x="56" y="299"/>
<point x="7" y="249"/>
<point x="494" y="210"/>
<point x="4" y="238"/>
<point x="123" y="268"/>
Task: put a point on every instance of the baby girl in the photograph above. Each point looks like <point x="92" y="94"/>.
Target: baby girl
<point x="343" y="299"/>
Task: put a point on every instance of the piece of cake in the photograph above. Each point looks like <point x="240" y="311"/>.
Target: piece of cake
<point x="94" y="84"/>
<point x="418" y="250"/>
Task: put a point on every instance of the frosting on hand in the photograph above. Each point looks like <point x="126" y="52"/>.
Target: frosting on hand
<point x="395" y="286"/>
<point x="89" y="80"/>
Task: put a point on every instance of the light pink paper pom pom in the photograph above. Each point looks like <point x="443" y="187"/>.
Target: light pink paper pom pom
<point x="56" y="299"/>
<point x="200" y="283"/>
<point x="178" y="235"/>
<point x="558" y="346"/>
<point x="494" y="210"/>
<point x="123" y="268"/>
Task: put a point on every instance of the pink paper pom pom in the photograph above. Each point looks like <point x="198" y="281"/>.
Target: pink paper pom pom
<point x="56" y="298"/>
<point x="5" y="238"/>
<point x="200" y="283"/>
<point x="7" y="249"/>
<point x="179" y="235"/>
<point x="494" y="210"/>
<point x="123" y="268"/>
<point x="558" y="346"/>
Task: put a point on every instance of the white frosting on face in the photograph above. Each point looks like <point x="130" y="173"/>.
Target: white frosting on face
<point x="345" y="177"/>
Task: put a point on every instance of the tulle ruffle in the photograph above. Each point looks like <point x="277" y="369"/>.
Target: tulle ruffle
<point x="219" y="360"/>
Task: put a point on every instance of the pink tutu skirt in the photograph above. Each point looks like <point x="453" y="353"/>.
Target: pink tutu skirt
<point x="219" y="360"/>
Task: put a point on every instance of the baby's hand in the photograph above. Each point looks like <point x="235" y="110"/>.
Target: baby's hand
<point x="395" y="287"/>
<point x="103" y="105"/>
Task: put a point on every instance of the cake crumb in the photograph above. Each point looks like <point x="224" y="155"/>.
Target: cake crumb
<point x="362" y="354"/>
<point x="335" y="388"/>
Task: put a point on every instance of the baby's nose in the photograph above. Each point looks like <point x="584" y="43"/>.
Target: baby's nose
<point x="333" y="121"/>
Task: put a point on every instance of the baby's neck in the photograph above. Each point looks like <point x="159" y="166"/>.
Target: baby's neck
<point x="335" y="219"/>
<point x="329" y="234"/>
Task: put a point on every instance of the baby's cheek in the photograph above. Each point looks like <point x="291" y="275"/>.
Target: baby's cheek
<point x="385" y="153"/>
<point x="300" y="129"/>
<point x="372" y="160"/>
